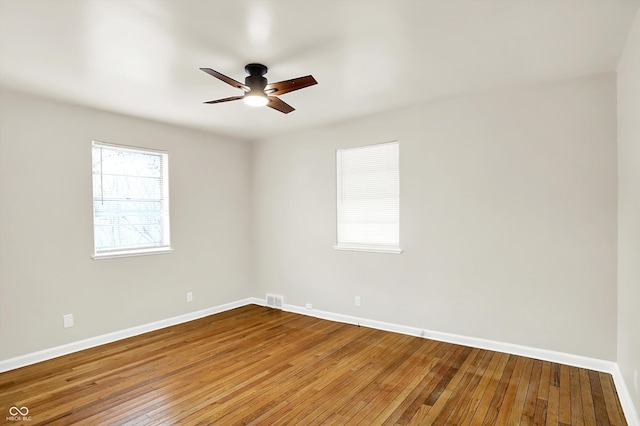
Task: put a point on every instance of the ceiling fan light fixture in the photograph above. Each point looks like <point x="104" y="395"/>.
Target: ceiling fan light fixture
<point x="255" y="99"/>
<point x="258" y="92"/>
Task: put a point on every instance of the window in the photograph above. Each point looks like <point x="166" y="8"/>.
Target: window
<point x="130" y="201"/>
<point x="368" y="189"/>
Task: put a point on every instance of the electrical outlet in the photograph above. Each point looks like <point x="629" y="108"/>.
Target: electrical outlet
<point x="67" y="320"/>
<point x="358" y="301"/>
<point x="189" y="297"/>
<point x="309" y="306"/>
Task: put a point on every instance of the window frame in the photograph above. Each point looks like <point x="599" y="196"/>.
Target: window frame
<point x="365" y="247"/>
<point x="165" y="246"/>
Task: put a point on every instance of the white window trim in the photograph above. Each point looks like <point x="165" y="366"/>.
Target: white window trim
<point x="133" y="252"/>
<point x="370" y="249"/>
<point x="139" y="251"/>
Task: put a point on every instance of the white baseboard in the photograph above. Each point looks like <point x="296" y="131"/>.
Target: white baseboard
<point x="43" y="355"/>
<point x="543" y="354"/>
<point x="624" y="394"/>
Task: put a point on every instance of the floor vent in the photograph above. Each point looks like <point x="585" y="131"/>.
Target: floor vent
<point x="275" y="301"/>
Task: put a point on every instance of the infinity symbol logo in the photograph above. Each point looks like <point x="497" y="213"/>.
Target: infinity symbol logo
<point x="14" y="411"/>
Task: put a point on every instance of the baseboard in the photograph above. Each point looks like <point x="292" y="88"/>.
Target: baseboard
<point x="543" y="354"/>
<point x="43" y="355"/>
<point x="630" y="412"/>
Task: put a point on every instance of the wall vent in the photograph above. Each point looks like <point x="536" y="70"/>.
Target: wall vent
<point x="275" y="301"/>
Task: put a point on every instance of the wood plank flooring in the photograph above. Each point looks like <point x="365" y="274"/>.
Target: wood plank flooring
<point x="254" y="365"/>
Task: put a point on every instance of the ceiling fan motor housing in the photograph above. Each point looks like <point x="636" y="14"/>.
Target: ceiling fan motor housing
<point x="255" y="79"/>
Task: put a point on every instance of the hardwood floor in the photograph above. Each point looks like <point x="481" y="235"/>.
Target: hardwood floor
<point x="254" y="365"/>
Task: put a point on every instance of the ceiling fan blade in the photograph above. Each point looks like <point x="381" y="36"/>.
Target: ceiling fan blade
<point x="282" y="87"/>
<point x="217" y="101"/>
<point x="226" y="79"/>
<point x="280" y="105"/>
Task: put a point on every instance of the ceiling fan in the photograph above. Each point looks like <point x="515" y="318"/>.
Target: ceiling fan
<point x="257" y="90"/>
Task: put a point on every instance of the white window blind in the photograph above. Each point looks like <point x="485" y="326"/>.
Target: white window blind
<point x="368" y="198"/>
<point x="130" y="201"/>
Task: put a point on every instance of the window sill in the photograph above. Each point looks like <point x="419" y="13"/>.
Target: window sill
<point x="130" y="253"/>
<point x="370" y="249"/>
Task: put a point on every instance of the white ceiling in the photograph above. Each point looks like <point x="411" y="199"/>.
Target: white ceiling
<point x="141" y="57"/>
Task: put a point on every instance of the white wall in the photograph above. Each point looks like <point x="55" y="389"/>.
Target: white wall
<point x="629" y="211"/>
<point x="46" y="235"/>
<point x="508" y="218"/>
<point x="508" y="221"/>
